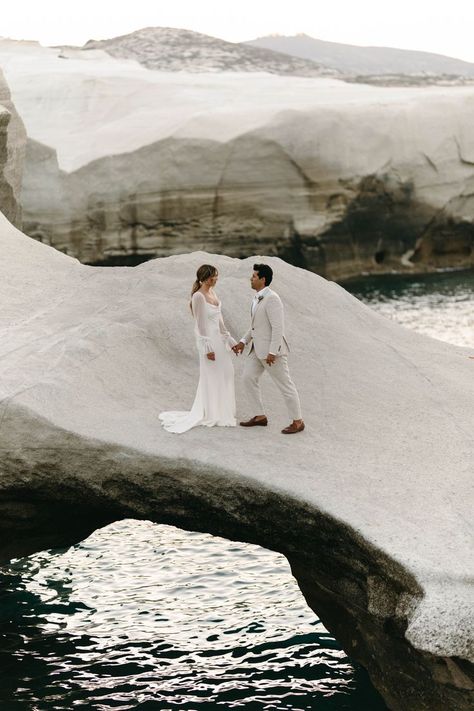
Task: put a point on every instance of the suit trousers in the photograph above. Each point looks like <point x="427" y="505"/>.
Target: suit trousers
<point x="253" y="369"/>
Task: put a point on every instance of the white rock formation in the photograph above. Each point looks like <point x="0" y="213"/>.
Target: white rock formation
<point x="372" y="504"/>
<point x="339" y="178"/>
<point x="12" y="155"/>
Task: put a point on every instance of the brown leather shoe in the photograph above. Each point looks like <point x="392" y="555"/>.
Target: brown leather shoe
<point x="263" y="422"/>
<point x="291" y="429"/>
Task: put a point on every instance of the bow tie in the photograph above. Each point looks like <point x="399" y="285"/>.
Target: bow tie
<point x="257" y="298"/>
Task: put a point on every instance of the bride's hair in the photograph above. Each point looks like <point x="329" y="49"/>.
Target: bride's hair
<point x="204" y="272"/>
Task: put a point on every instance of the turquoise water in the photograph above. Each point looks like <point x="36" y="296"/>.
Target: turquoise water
<point x="140" y="616"/>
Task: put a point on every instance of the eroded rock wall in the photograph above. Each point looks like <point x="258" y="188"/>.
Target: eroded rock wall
<point x="339" y="178"/>
<point x="12" y="155"/>
<point x="7" y="200"/>
<point x="252" y="195"/>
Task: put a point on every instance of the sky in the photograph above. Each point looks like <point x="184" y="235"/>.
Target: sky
<point x="444" y="28"/>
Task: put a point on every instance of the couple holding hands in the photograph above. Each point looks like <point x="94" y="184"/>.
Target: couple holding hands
<point x="214" y="404"/>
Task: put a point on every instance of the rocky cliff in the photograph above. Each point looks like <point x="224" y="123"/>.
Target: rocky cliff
<point x="378" y="489"/>
<point x="12" y="155"/>
<point x="339" y="178"/>
<point x="171" y="49"/>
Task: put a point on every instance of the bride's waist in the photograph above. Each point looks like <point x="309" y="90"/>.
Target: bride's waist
<point x="211" y="333"/>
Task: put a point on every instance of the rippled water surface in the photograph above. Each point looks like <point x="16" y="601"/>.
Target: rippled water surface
<point x="151" y="617"/>
<point x="439" y="305"/>
<point x="146" y="616"/>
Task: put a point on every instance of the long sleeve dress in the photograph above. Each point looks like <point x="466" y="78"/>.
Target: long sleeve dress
<point x="214" y="403"/>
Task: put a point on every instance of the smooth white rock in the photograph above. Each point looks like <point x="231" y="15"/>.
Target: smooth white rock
<point x="389" y="443"/>
<point x="165" y="162"/>
<point x="90" y="107"/>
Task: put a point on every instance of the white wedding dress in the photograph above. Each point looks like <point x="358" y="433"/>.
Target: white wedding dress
<point x="214" y="403"/>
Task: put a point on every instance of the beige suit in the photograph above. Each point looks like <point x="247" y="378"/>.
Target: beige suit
<point x="266" y="335"/>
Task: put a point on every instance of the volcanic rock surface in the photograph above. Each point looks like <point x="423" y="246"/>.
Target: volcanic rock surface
<point x="171" y="49"/>
<point x="338" y="178"/>
<point x="372" y="504"/>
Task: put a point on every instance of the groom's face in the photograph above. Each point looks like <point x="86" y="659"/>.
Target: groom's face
<point x="257" y="283"/>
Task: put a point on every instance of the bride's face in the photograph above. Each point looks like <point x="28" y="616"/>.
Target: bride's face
<point x="212" y="281"/>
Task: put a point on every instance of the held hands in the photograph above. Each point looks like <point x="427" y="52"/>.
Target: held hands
<point x="239" y="347"/>
<point x="211" y="356"/>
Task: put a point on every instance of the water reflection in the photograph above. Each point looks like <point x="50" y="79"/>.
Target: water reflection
<point x="438" y="305"/>
<point x="145" y="616"/>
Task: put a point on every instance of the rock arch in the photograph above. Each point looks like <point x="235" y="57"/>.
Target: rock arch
<point x="370" y="505"/>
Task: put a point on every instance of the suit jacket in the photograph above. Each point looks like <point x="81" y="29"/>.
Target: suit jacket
<point x="266" y="332"/>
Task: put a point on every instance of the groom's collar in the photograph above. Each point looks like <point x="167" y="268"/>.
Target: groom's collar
<point x="263" y="292"/>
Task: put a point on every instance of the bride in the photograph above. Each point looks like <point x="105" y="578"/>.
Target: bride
<point x="214" y="403"/>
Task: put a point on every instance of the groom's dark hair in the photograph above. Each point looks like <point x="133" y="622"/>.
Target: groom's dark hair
<point x="263" y="270"/>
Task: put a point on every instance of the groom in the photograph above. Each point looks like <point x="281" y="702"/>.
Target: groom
<point x="268" y="352"/>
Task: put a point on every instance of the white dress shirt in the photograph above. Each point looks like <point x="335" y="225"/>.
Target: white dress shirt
<point x="259" y="295"/>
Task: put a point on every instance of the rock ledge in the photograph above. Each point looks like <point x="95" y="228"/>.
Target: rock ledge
<point x="371" y="504"/>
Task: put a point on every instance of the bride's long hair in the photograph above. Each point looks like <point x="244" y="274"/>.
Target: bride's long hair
<point x="204" y="272"/>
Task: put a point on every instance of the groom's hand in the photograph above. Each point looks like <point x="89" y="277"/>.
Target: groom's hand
<point x="238" y="348"/>
<point x="270" y="359"/>
<point x="211" y="356"/>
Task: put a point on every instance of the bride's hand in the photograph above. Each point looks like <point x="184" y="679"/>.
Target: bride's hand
<point x="211" y="356"/>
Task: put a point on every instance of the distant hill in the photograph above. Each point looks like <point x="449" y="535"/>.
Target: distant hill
<point x="351" y="59"/>
<point x="170" y="49"/>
